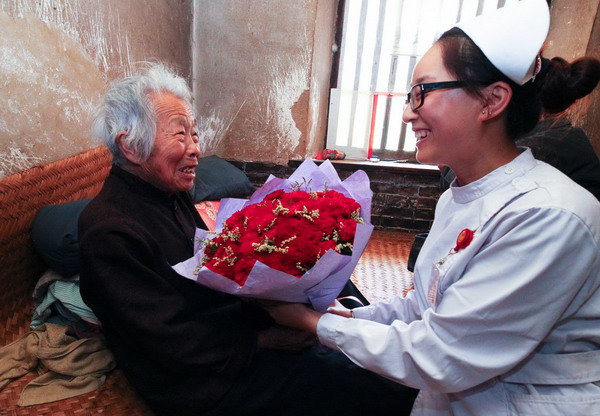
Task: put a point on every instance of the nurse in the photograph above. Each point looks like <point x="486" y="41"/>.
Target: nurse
<point x="505" y="315"/>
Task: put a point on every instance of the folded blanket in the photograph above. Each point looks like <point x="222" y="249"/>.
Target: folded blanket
<point x="54" y="293"/>
<point x="75" y="366"/>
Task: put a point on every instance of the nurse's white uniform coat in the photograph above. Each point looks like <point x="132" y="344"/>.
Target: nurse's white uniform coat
<point x="509" y="325"/>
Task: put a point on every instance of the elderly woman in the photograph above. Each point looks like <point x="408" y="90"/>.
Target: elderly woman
<point x="505" y="315"/>
<point x="187" y="349"/>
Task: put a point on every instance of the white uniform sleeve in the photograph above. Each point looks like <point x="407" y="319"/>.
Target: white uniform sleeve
<point x="511" y="294"/>
<point x="405" y="309"/>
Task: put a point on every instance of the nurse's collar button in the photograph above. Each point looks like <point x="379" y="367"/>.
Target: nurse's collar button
<point x="521" y="184"/>
<point x="509" y="169"/>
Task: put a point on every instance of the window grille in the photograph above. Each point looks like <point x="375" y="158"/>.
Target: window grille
<point x="381" y="41"/>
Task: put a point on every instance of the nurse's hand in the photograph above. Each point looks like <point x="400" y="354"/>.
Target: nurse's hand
<point x="338" y="309"/>
<point x="294" y="315"/>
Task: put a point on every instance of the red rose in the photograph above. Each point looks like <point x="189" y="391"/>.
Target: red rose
<point x="285" y="231"/>
<point x="464" y="239"/>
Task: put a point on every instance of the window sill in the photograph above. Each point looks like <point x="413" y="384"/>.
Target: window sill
<point x="389" y="164"/>
<point x="367" y="165"/>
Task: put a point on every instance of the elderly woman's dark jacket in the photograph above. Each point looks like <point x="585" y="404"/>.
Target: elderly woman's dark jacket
<point x="180" y="344"/>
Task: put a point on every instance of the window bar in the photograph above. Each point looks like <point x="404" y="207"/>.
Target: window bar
<point x="459" y="12"/>
<point x="375" y="73"/>
<point x="391" y="79"/>
<point x="403" y="126"/>
<point x="411" y="67"/>
<point x="357" y="69"/>
<point x="388" y="107"/>
<point x="377" y="51"/>
<point x="376" y="95"/>
<point x="338" y="68"/>
<point x="372" y="128"/>
<point x="480" y="7"/>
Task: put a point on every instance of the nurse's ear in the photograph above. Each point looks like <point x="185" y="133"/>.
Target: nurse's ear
<point x="496" y="99"/>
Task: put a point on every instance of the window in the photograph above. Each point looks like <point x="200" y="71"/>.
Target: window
<point x="380" y="43"/>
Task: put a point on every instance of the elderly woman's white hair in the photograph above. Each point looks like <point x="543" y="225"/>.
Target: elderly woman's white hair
<point x="127" y="107"/>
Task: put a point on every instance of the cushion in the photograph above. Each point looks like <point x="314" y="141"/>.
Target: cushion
<point x="216" y="179"/>
<point x="208" y="211"/>
<point x="55" y="236"/>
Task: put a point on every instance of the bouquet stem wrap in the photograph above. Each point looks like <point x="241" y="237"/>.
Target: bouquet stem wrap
<point x="321" y="284"/>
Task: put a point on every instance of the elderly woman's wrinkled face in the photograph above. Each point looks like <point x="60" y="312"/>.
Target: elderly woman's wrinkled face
<point x="172" y="163"/>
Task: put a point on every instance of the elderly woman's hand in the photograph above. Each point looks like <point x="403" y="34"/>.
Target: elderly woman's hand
<point x="294" y="315"/>
<point x="283" y="338"/>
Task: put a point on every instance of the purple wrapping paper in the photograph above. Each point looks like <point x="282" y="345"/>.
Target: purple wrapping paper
<point x="323" y="282"/>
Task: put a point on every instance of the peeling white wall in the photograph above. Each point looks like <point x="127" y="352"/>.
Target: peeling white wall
<point x="253" y="69"/>
<point x="271" y="119"/>
<point x="82" y="21"/>
<point x="56" y="57"/>
<point x="48" y="85"/>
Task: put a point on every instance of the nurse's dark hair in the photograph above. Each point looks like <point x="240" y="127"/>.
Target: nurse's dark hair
<point x="558" y="85"/>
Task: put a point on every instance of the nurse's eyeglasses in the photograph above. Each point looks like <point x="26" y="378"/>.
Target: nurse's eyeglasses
<point x="416" y="96"/>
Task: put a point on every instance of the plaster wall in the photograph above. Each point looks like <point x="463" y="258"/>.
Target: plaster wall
<point x="588" y="112"/>
<point x="575" y="32"/>
<point x="56" y="58"/>
<point x="261" y="76"/>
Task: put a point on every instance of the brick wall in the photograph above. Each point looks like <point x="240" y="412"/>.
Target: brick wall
<point x="404" y="198"/>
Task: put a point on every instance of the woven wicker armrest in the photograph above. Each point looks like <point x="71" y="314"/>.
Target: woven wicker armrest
<point x="21" y="196"/>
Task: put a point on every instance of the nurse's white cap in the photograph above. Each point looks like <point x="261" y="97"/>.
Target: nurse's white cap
<point x="511" y="37"/>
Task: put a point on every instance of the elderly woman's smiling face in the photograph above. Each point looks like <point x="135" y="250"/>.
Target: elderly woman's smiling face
<point x="172" y="163"/>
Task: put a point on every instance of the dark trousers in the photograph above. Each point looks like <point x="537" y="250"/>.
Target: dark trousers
<point x="312" y="382"/>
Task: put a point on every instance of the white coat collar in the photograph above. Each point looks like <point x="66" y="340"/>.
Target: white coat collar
<point x="496" y="178"/>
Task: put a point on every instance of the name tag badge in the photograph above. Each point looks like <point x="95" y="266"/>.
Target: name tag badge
<point x="433" y="286"/>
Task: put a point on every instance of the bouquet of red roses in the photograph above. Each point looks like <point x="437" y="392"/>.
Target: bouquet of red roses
<point x="295" y="240"/>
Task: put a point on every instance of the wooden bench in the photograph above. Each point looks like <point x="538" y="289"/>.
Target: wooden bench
<point x="21" y="196"/>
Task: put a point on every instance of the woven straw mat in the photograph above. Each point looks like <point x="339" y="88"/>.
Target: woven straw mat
<point x="381" y="272"/>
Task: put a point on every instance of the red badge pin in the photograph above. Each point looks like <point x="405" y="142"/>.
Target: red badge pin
<point x="464" y="239"/>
